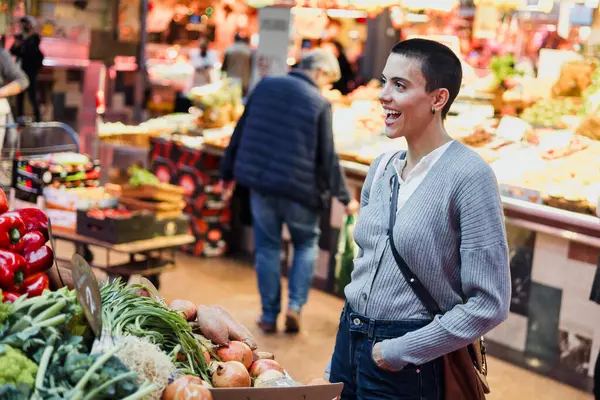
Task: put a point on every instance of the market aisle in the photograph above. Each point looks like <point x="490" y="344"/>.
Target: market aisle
<point x="232" y="284"/>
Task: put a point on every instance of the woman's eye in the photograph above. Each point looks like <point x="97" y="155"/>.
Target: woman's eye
<point x="382" y="82"/>
<point x="399" y="85"/>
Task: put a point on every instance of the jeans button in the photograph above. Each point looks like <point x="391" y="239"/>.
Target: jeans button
<point x="364" y="296"/>
<point x="357" y="322"/>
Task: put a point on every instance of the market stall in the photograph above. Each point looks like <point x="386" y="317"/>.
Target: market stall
<point x="74" y="338"/>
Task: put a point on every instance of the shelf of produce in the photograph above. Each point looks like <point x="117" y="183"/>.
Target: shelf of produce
<point x="141" y="246"/>
<point x="580" y="227"/>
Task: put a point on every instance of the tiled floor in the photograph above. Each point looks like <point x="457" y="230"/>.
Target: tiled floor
<point x="233" y="285"/>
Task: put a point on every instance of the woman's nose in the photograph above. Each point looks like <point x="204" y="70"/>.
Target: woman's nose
<point x="384" y="94"/>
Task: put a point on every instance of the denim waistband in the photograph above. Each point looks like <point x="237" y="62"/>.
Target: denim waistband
<point x="380" y="329"/>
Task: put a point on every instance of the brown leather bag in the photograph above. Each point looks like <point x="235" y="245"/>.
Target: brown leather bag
<point x="465" y="370"/>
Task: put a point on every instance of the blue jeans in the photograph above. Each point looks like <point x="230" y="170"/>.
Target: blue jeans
<point x="268" y="216"/>
<point x="352" y="363"/>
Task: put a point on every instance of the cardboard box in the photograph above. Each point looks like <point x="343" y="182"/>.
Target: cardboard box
<point x="116" y="230"/>
<point x="45" y="175"/>
<point x="323" y="392"/>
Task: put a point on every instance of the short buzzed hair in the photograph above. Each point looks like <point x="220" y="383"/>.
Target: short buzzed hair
<point x="321" y="60"/>
<point x="440" y="67"/>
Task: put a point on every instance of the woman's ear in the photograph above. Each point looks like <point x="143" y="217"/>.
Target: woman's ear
<point x="440" y="99"/>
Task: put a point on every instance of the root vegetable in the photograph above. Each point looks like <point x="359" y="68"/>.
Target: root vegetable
<point x="174" y="390"/>
<point x="236" y="351"/>
<point x="231" y="374"/>
<point x="211" y="325"/>
<point x="194" y="392"/>
<point x="186" y="307"/>
<point x="262" y="366"/>
<point x="263" y="355"/>
<point x="207" y="357"/>
<point x="236" y="330"/>
<point x="270" y="375"/>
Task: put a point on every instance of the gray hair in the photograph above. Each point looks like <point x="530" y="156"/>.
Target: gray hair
<point x="321" y="60"/>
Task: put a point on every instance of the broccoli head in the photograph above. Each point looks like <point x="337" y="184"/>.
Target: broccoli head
<point x="15" y="367"/>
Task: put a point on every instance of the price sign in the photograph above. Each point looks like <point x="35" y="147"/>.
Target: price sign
<point x="88" y="292"/>
<point x="512" y="128"/>
<point x="273" y="43"/>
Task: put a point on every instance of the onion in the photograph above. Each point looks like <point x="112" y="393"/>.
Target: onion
<point x="231" y="374"/>
<point x="270" y="375"/>
<point x="172" y="391"/>
<point x="262" y="366"/>
<point x="194" y="392"/>
<point x="186" y="307"/>
<point x="236" y="351"/>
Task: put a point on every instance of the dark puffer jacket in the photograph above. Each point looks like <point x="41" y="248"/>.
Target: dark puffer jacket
<point x="283" y="144"/>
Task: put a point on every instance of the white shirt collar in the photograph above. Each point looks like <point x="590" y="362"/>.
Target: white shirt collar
<point x="422" y="166"/>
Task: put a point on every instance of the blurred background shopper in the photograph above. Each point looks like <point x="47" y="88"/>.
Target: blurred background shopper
<point x="238" y="61"/>
<point x="12" y="82"/>
<point x="282" y="150"/>
<point x="30" y="58"/>
<point x="437" y="207"/>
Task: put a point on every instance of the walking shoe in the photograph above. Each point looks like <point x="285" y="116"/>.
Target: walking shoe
<point x="292" y="322"/>
<point x="266" y="327"/>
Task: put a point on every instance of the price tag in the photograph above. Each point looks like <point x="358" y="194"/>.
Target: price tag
<point x="514" y="192"/>
<point x="88" y="292"/>
<point x="512" y="128"/>
<point x="151" y="288"/>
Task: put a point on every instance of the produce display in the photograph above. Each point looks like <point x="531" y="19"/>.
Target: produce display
<point x="24" y="255"/>
<point x="220" y="103"/>
<point x="146" y="349"/>
<point x="139" y="135"/>
<point x="144" y="191"/>
<point x="550" y="113"/>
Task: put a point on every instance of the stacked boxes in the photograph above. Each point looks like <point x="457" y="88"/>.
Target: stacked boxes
<point x="31" y="176"/>
<point x="198" y="173"/>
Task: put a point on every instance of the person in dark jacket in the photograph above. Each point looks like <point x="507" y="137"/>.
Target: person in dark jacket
<point x="27" y="51"/>
<point x="282" y="150"/>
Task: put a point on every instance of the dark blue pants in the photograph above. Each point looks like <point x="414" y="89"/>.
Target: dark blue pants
<point x="352" y="362"/>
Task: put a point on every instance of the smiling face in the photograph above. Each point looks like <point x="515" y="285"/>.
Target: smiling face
<point x="406" y="103"/>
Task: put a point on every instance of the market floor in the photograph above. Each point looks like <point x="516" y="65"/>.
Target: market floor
<point x="232" y="284"/>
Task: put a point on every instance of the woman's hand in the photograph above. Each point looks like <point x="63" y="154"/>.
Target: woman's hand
<point x="378" y="358"/>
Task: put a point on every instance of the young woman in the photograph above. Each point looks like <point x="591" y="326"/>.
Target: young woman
<point x="449" y="228"/>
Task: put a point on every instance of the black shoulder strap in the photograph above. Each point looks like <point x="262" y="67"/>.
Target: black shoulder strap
<point x="413" y="281"/>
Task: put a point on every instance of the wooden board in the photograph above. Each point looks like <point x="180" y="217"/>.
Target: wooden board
<point x="154" y="206"/>
<point x="141" y="246"/>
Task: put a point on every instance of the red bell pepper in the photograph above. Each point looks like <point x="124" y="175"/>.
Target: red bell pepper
<point x="12" y="229"/>
<point x="10" y="297"/>
<point x="3" y="202"/>
<point x="31" y="241"/>
<point x="35" y="284"/>
<point x="13" y="270"/>
<point x="39" y="260"/>
<point x="33" y="218"/>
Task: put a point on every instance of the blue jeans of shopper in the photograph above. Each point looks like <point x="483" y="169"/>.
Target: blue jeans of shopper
<point x="268" y="216"/>
<point x="352" y="363"/>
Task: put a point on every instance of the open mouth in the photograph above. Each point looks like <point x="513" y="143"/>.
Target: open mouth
<point x="391" y="116"/>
